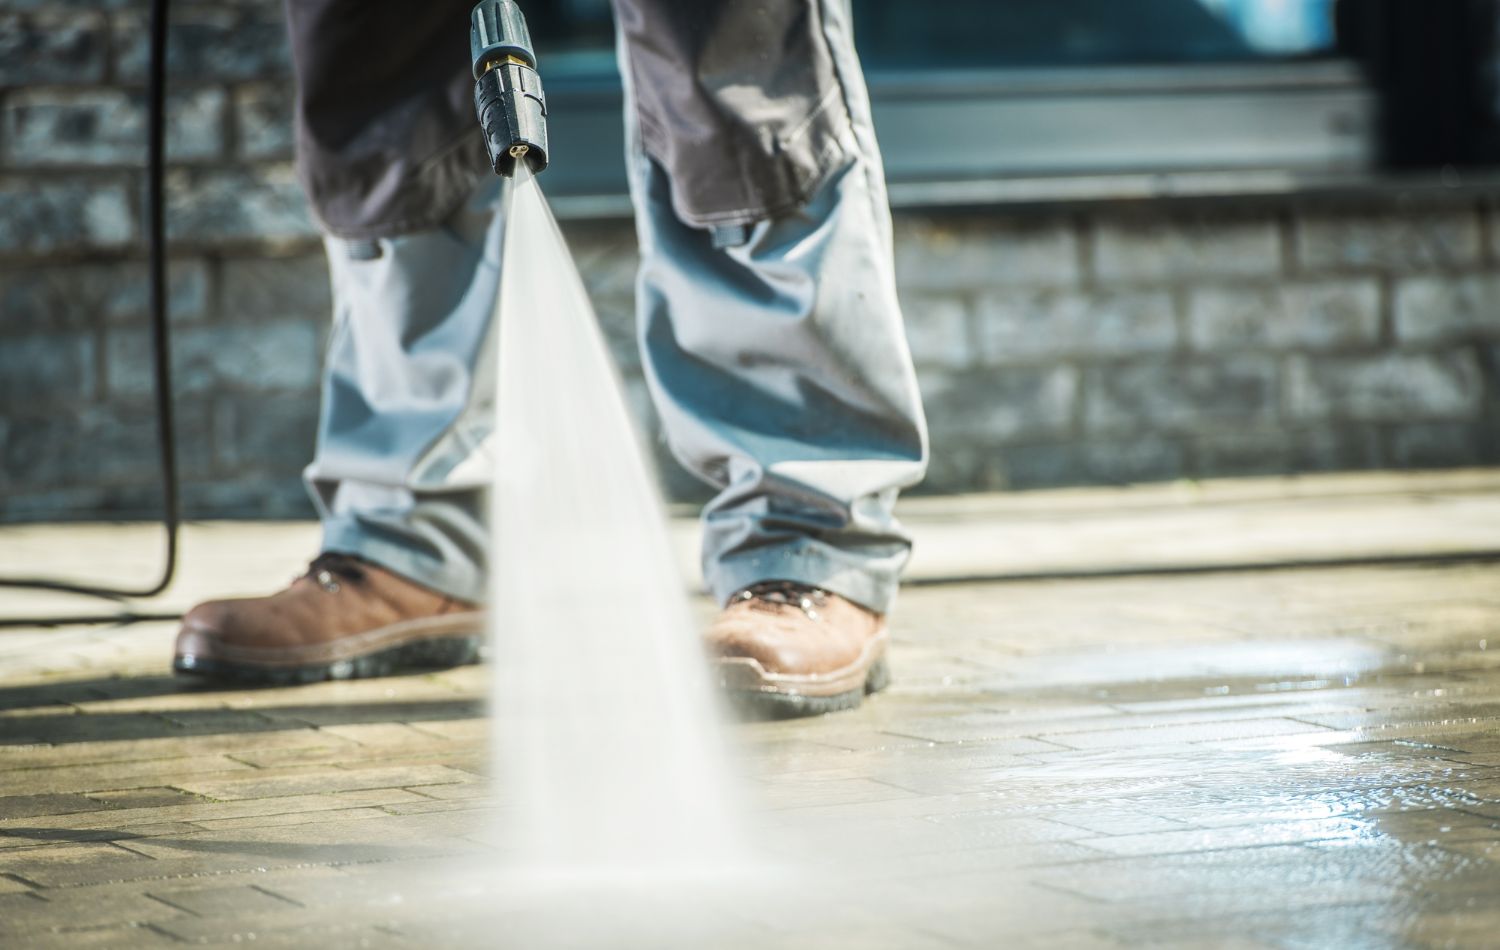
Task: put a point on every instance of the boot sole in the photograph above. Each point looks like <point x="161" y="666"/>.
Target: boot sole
<point x="758" y="694"/>
<point x="435" y="653"/>
<point x="771" y="704"/>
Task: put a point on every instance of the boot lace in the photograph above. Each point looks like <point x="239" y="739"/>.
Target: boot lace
<point x="804" y="597"/>
<point x="327" y="570"/>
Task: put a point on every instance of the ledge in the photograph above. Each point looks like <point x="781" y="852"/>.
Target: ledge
<point x="1211" y="188"/>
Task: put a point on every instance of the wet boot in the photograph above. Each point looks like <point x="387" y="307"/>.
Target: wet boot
<point x="785" y="649"/>
<point x="344" y="619"/>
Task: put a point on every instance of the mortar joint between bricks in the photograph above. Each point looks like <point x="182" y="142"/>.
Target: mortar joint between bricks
<point x="1287" y="221"/>
<point x="1489" y="236"/>
<point x="1283" y="385"/>
<point x="1181" y="319"/>
<point x="111" y="52"/>
<point x="977" y="354"/>
<point x="1280" y="409"/>
<point x="1085" y="251"/>
<point x="1386" y="335"/>
<point x="228" y="122"/>
<point x="213" y="276"/>
<point x="1077" y="426"/>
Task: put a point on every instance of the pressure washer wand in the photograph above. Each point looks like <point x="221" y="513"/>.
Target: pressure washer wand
<point x="507" y="90"/>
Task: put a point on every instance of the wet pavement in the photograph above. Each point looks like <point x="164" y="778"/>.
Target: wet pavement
<point x="1297" y="757"/>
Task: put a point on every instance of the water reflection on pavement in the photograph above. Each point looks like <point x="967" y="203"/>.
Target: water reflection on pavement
<point x="1286" y="759"/>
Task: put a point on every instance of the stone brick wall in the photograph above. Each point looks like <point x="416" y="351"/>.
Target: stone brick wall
<point x="1097" y="343"/>
<point x="249" y="295"/>
<point x="1119" y="344"/>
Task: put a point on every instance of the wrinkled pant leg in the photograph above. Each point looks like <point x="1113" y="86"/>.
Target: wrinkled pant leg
<point x="384" y="113"/>
<point x="780" y="369"/>
<point x="402" y="456"/>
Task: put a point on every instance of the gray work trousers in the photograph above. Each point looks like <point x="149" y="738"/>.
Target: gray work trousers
<point x="773" y="350"/>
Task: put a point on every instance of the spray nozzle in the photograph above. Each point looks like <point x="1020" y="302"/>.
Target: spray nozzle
<point x="508" y="94"/>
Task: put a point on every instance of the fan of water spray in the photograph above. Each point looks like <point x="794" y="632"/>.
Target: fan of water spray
<point x="608" y="752"/>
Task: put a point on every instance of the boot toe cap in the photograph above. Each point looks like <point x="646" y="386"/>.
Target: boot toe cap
<point x="204" y="630"/>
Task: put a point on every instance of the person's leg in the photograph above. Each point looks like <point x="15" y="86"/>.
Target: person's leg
<point x="780" y="367"/>
<point x="402" y="454"/>
<point x="401" y="462"/>
<point x="774" y="347"/>
<point x="395" y="173"/>
<point x="390" y="158"/>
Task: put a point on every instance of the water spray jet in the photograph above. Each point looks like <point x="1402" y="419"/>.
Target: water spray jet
<point x="608" y="749"/>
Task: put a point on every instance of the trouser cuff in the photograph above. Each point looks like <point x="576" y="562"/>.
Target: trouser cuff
<point x="458" y="580"/>
<point x="817" y="565"/>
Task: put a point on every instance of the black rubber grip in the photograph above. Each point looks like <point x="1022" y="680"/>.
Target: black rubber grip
<point x="497" y="30"/>
<point x="512" y="112"/>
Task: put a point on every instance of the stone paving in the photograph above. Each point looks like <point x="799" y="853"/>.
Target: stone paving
<point x="1250" y="758"/>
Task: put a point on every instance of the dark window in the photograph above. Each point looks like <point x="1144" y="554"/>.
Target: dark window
<point x="979" y="101"/>
<point x="977" y="34"/>
<point x="971" y="34"/>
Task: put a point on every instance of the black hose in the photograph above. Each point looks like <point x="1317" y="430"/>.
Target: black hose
<point x="165" y="426"/>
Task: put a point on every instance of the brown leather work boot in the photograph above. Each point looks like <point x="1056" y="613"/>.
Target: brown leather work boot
<point x="788" y="649"/>
<point x="344" y="619"/>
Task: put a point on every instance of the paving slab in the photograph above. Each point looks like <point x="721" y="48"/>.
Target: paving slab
<point x="1258" y="758"/>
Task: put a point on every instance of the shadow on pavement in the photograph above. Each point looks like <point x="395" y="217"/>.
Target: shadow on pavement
<point x="72" y="835"/>
<point x="169" y="722"/>
<point x="298" y="852"/>
<point x="64" y="692"/>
